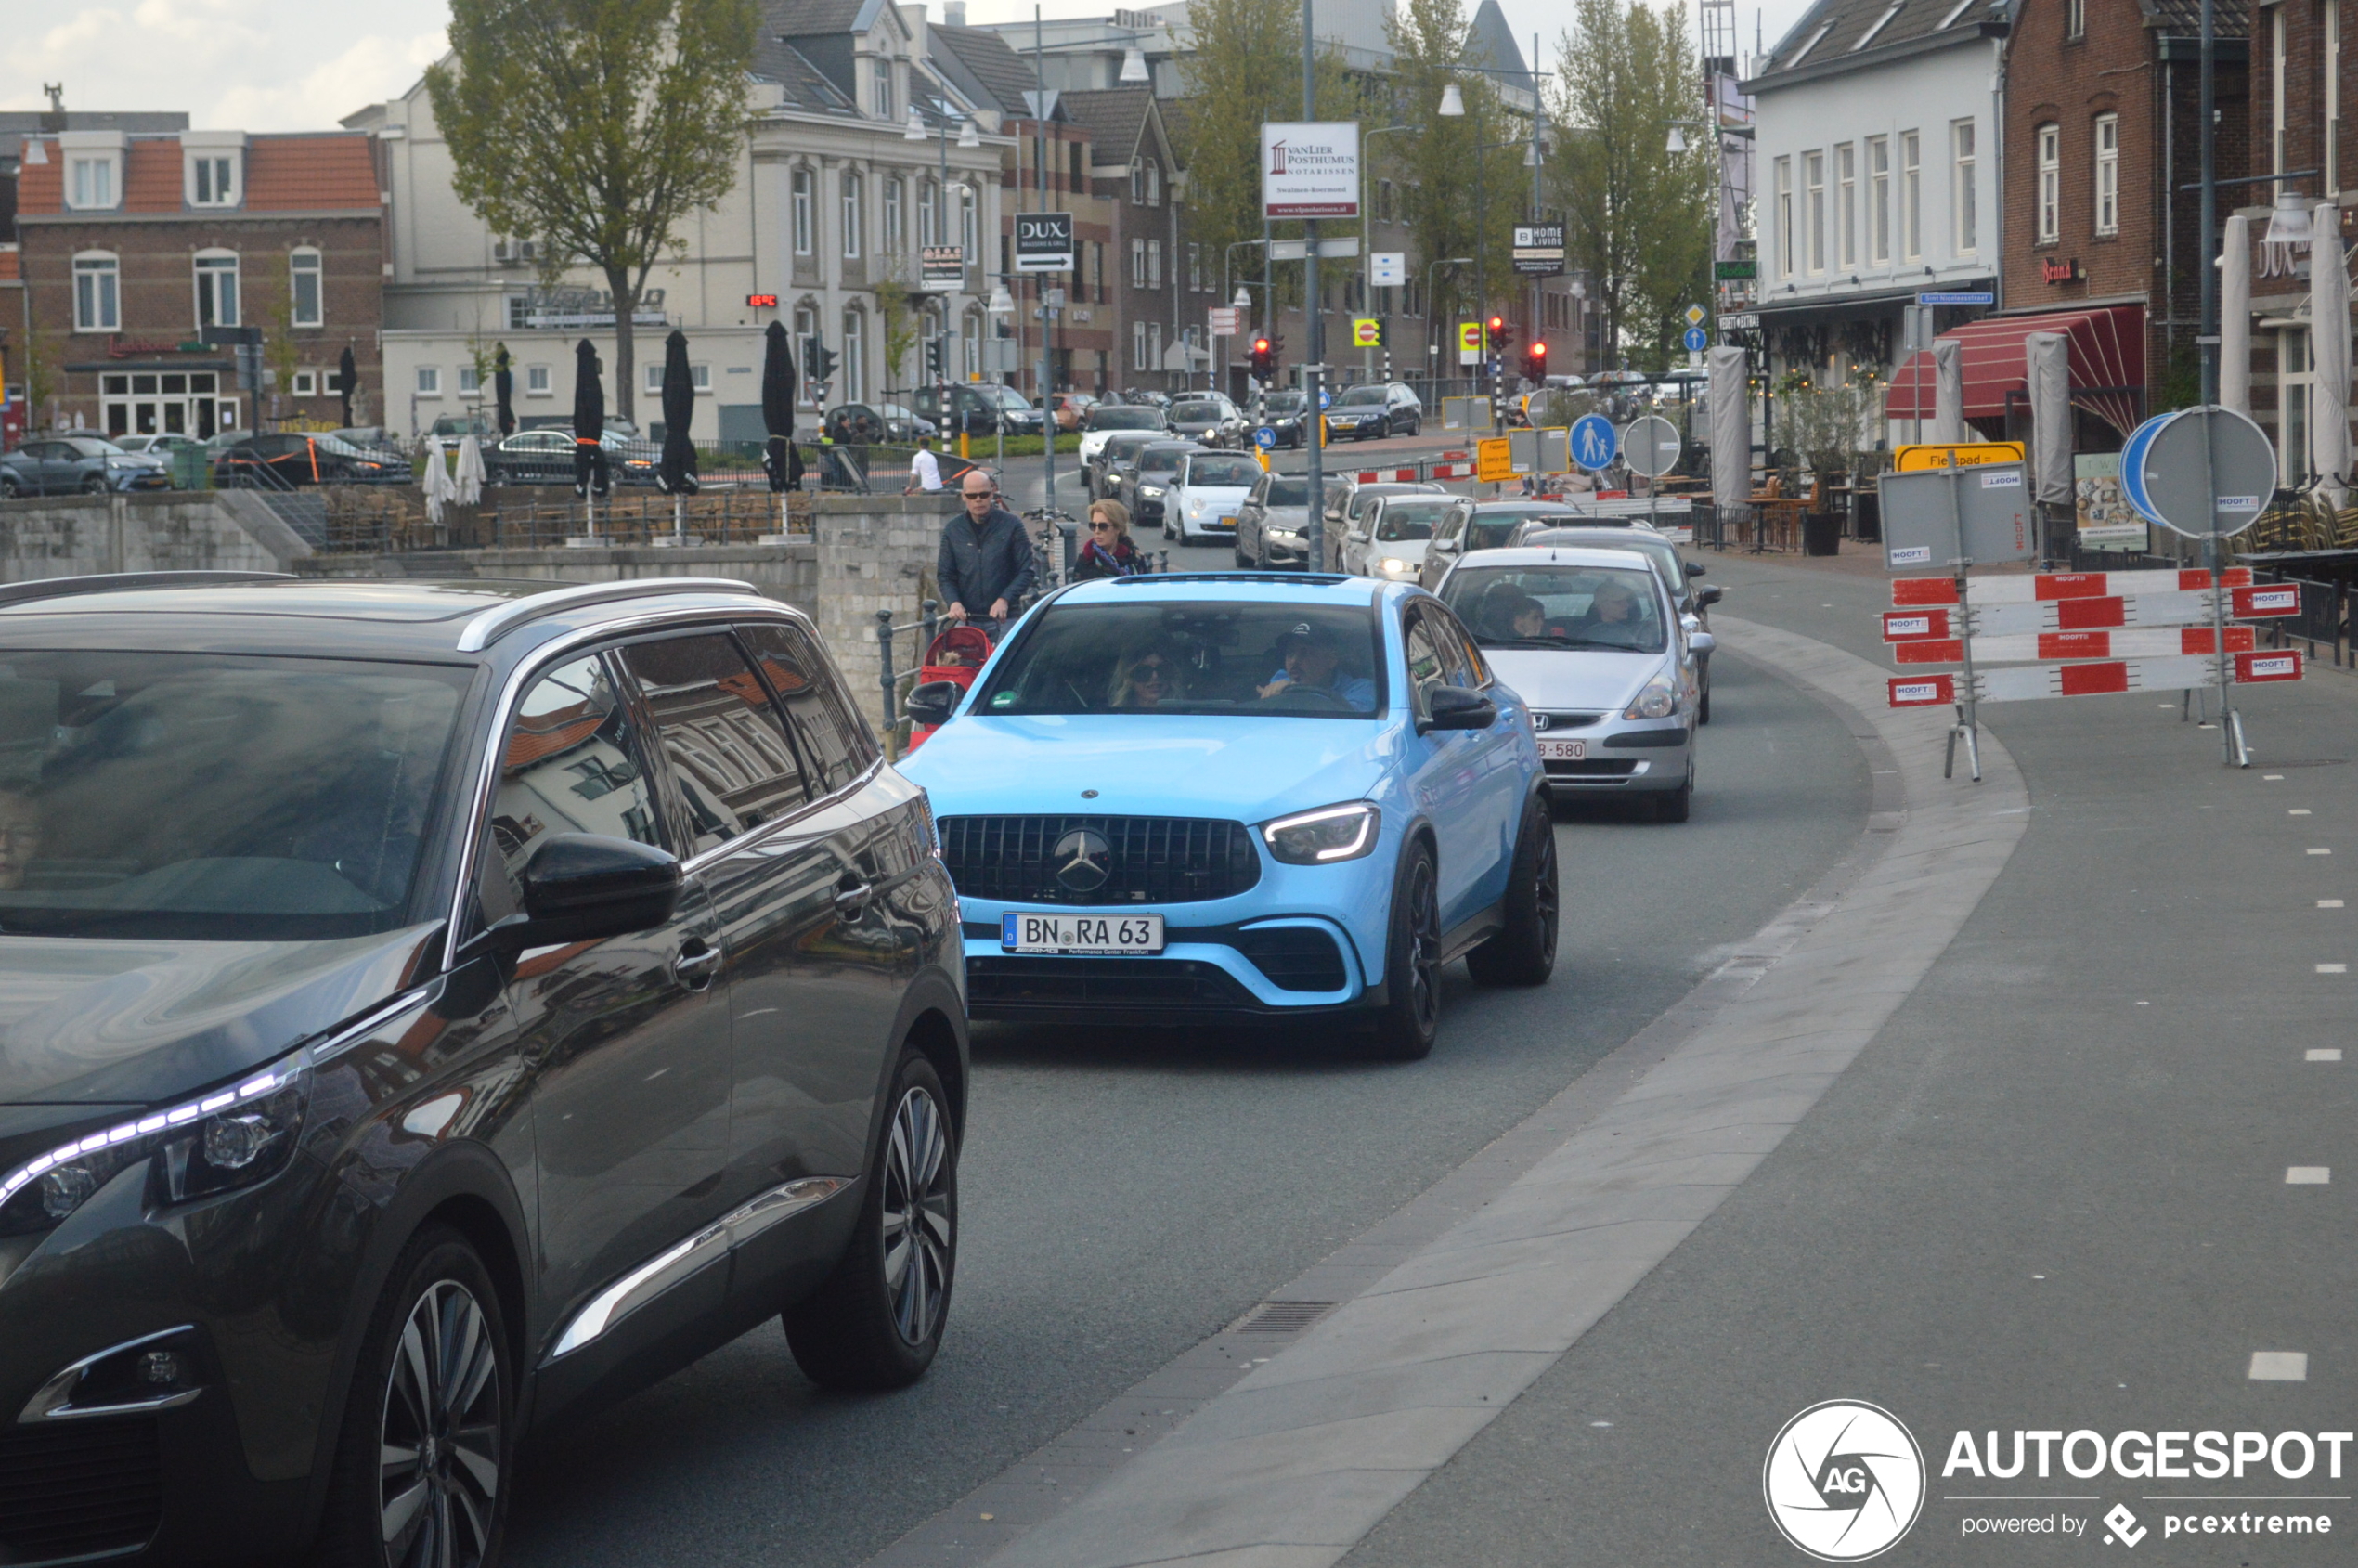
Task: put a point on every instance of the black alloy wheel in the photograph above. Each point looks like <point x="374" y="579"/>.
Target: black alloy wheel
<point x="94" y="484"/>
<point x="1411" y="1014"/>
<point x="876" y="1323"/>
<point x="1524" y="953"/>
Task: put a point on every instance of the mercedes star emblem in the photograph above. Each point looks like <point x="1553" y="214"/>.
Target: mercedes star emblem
<point x="1084" y="860"/>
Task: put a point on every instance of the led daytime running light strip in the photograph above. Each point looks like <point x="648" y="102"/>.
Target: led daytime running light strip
<point x="1365" y="812"/>
<point x="253" y="1088"/>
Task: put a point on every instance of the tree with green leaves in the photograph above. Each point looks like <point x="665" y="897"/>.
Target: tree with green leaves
<point x="595" y="126"/>
<point x="1464" y="190"/>
<point x="1638" y="218"/>
<point x="897" y="310"/>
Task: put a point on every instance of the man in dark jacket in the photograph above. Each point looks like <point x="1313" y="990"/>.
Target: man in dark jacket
<point x="986" y="561"/>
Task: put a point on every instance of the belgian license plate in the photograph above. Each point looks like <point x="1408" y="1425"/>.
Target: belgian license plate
<point x="1562" y="751"/>
<point x="1097" y="935"/>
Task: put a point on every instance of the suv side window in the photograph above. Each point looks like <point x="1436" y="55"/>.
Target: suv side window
<point x="729" y="755"/>
<point x="1425" y="665"/>
<point x="831" y="734"/>
<point x="1458" y="652"/>
<point x="568" y="764"/>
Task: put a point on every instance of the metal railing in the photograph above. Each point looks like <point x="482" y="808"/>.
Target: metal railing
<point x="386" y="520"/>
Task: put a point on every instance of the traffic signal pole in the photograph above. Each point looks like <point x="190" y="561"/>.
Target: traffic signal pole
<point x="1314" y="500"/>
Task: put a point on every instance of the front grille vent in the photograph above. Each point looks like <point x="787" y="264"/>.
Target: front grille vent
<point x="1152" y="860"/>
<point x="1294" y="957"/>
<point x="76" y="1489"/>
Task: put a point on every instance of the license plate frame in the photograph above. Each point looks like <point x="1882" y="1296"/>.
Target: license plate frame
<point x="1562" y="751"/>
<point x="1138" y="934"/>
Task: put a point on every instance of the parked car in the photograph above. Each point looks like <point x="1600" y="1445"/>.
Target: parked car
<point x="64" y="465"/>
<point x="1105" y="418"/>
<point x="1271" y="525"/>
<point x="1375" y="411"/>
<point x="476" y="1048"/>
<point x="1310" y="796"/>
<point x="1205" y="493"/>
<point x="978" y="408"/>
<point x="1209" y="418"/>
<point x="162" y="446"/>
<point x="288" y="458"/>
<point x="1072" y="409"/>
<point x="453" y="427"/>
<point x="545" y="457"/>
<point x="1281" y="411"/>
<point x="1142" y="482"/>
<point x="375" y="441"/>
<point x="1592" y="642"/>
<point x="1473" y="525"/>
<point x="1677" y="573"/>
<point x="1389" y="539"/>
<point x="871" y="424"/>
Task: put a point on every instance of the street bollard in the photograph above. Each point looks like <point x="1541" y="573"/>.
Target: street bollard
<point x="930" y="611"/>
<point x="883" y="656"/>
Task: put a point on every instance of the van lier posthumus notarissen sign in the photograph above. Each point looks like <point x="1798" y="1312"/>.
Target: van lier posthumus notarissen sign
<point x="1310" y="169"/>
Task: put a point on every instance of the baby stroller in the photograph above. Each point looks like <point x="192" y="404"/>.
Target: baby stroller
<point x="957" y="654"/>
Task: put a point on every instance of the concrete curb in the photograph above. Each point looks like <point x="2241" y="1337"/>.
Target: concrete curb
<point x="1448" y="1311"/>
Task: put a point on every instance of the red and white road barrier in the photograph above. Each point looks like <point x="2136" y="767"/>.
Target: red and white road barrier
<point x="2176" y="607"/>
<point x="2174" y="672"/>
<point x="2047" y="587"/>
<point x="1388" y="475"/>
<point x="2044" y="645"/>
<point x="1449" y="470"/>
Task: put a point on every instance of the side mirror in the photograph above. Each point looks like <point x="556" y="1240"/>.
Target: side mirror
<point x="1694" y="568"/>
<point x="1702" y="642"/>
<point x="1446" y="546"/>
<point x="1709" y="596"/>
<point x="1454" y="707"/>
<point x="934" y="702"/>
<point x="582" y="887"/>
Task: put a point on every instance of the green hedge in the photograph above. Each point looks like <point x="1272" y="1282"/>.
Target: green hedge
<point x="983" y="446"/>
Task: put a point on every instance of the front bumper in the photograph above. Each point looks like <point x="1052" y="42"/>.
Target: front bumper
<point x="132" y="479"/>
<point x="1642" y="755"/>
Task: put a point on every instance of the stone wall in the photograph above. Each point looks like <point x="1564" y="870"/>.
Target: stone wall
<point x="875" y="553"/>
<point x="78" y="536"/>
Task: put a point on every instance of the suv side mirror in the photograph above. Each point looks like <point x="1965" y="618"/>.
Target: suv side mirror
<point x="1694" y="568"/>
<point x="1456" y="707"/>
<point x="583" y="886"/>
<point x="934" y="702"/>
<point x="1709" y="596"/>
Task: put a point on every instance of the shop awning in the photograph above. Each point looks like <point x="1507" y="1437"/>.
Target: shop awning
<point x="2107" y="365"/>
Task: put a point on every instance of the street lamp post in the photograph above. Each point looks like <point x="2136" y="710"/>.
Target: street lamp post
<point x="1367" y="233"/>
<point x="1430" y="268"/>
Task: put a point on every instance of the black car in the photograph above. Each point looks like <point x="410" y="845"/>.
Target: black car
<point x="434" y="1008"/>
<point x="1097" y="468"/>
<point x="1209" y="418"/>
<point x="545" y="457"/>
<point x="291" y="458"/>
<point x="1375" y="411"/>
<point x="1281" y="413"/>
<point x="978" y="408"/>
<point x="1141" y="482"/>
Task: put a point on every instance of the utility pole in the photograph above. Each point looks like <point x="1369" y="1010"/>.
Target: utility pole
<point x="1048" y="352"/>
<point x="2208" y="342"/>
<point x="1315" y="501"/>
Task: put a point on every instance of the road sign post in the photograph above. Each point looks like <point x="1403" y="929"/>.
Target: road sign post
<point x="1650" y="445"/>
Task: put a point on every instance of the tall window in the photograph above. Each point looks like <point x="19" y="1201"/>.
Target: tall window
<point x="1154" y="183"/>
<point x="306" y="307"/>
<point x="881" y="71"/>
<point x="970" y="336"/>
<point x="1154" y="264"/>
<point x="1137" y="264"/>
<point x="1138" y="346"/>
<point x="213" y="181"/>
<point x="969" y="225"/>
<point x="2075" y="18"/>
<point x="802" y="214"/>
<point x="2050" y="183"/>
<point x="1785" y="267"/>
<point x="896" y="233"/>
<point x="90" y="182"/>
<point x="851" y="223"/>
<point x="1962" y="167"/>
<point x="2293" y="379"/>
<point x="854" y="368"/>
<point x="1912" y="196"/>
<point x="2277" y="81"/>
<point x="1813" y="176"/>
<point x="1879" y="200"/>
<point x="2107" y="174"/>
<point x="929" y="213"/>
<point x="97" y="292"/>
<point x="1195" y="268"/>
<point x="1847" y="201"/>
<point x="216" y="289"/>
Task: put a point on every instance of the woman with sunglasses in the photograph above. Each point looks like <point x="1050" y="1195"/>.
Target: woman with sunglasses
<point x="1147" y="676"/>
<point x="1108" y="553"/>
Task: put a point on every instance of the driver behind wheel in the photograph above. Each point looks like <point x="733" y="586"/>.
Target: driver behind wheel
<point x="1312" y="664"/>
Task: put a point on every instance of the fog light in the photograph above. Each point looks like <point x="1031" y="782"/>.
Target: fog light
<point x="159" y="1369"/>
<point x="232" y="1143"/>
<point x="67" y="1188"/>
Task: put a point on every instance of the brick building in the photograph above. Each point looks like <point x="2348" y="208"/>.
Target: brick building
<point x="133" y="245"/>
<point x="2301" y="76"/>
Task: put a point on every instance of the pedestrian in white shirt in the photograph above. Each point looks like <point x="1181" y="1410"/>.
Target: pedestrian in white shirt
<point x="925" y="469"/>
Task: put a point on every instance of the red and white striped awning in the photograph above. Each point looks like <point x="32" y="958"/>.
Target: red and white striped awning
<point x="2107" y="359"/>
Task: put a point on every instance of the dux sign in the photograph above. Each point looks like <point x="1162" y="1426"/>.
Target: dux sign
<point x="1044" y="241"/>
<point x="1310" y="169"/>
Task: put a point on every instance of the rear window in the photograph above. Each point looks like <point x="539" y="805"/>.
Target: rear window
<point x="1195" y="412"/>
<point x="1123" y="418"/>
<point x="1233" y="473"/>
<point x="1410" y="520"/>
<point x="1490" y="529"/>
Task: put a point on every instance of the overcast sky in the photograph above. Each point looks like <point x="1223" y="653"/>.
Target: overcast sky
<point x="301" y="65"/>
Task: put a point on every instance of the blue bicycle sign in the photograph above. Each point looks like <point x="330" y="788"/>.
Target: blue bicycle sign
<point x="1594" y="441"/>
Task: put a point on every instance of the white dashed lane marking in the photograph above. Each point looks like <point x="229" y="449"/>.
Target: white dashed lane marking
<point x="2321" y="852"/>
<point x="2279" y="1367"/>
<point x="2299" y="811"/>
<point x="2329" y="903"/>
<point x="2308" y="1175"/>
<point x="2324" y="1054"/>
<point x="2279" y="777"/>
<point x="2333" y="968"/>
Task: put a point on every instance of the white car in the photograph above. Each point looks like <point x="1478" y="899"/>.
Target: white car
<point x="1388" y="540"/>
<point x="1105" y="418"/>
<point x="1206" y="495"/>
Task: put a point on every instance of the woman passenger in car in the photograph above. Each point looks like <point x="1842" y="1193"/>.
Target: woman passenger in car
<point x="1147" y="676"/>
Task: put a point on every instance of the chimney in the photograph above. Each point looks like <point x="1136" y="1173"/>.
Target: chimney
<point x="953" y="13"/>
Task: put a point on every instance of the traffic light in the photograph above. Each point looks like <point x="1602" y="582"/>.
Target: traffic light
<point x="1534" y="362"/>
<point x="823" y="363"/>
<point x="933" y="359"/>
<point x="1264" y="359"/>
<point x="1497" y="335"/>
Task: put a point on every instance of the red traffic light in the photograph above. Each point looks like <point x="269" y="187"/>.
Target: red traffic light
<point x="1497" y="335"/>
<point x="1260" y="346"/>
<point x="1539" y="351"/>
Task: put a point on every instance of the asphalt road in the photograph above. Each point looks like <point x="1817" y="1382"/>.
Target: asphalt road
<point x="1128" y="1195"/>
<point x="2058" y="1192"/>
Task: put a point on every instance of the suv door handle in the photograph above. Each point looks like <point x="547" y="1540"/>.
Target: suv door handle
<point x="694" y="965"/>
<point x="851" y="897"/>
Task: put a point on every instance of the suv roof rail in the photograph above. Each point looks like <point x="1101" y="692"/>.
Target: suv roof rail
<point x="492" y="624"/>
<point x="117" y="582"/>
<point x="1149" y="579"/>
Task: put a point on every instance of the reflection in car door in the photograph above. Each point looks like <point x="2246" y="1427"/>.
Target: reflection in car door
<point x="1445" y="772"/>
<point x="627" y="1038"/>
<point x="1440" y="550"/>
<point x="1491" y="755"/>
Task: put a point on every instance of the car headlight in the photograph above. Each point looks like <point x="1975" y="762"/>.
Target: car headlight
<point x="1659" y="699"/>
<point x="1329" y="834"/>
<point x="1153" y="490"/>
<point x="231" y="1138"/>
<point x="1393" y="563"/>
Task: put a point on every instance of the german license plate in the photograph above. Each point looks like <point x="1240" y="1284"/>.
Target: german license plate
<point x="1562" y="751"/>
<point x="1093" y="935"/>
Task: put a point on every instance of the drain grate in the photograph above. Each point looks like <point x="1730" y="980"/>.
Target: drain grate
<point x="1283" y="1318"/>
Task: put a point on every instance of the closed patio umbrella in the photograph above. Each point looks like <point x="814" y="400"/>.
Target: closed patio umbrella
<point x="467" y="482"/>
<point x="589" y="477"/>
<point x="1947" y="391"/>
<point x="503" y="386"/>
<point x="346" y="373"/>
<point x="2234" y="316"/>
<point x="1730" y="431"/>
<point x="676" y="470"/>
<point x="780" y="461"/>
<point x="2329" y="355"/>
<point x="435" y="483"/>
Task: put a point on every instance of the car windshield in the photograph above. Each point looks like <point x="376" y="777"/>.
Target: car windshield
<point x="1165" y="461"/>
<point x="1005" y="396"/>
<point x="1488" y="530"/>
<point x="1285" y="402"/>
<point x="197" y="797"/>
<point x="1196" y="414"/>
<point x="1411" y="520"/>
<point x="1560" y="606"/>
<point x="1276" y="659"/>
<point x="1288" y="492"/>
<point x="1124" y="419"/>
<point x="1235" y="474"/>
<point x="136" y="442"/>
<point x="1360" y="395"/>
<point x="342" y="448"/>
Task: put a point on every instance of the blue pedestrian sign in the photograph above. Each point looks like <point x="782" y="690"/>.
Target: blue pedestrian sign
<point x="1696" y="340"/>
<point x="1594" y="441"/>
<point x="1264" y="438"/>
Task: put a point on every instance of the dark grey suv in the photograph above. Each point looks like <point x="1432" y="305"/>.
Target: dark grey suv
<point x="425" y="1009"/>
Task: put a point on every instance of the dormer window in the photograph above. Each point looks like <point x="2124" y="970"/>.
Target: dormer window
<point x="213" y="166"/>
<point x="92" y="182"/>
<point x="882" y="80"/>
<point x="212" y="182"/>
<point x="93" y="168"/>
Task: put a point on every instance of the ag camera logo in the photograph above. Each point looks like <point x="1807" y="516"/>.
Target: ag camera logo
<point x="1844" y="1481"/>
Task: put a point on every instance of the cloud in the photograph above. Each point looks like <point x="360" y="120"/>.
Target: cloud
<point x="254" y="65"/>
